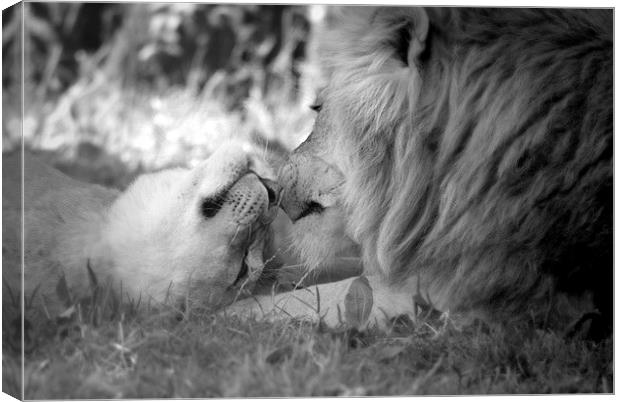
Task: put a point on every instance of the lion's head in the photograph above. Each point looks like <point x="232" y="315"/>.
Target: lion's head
<point x="470" y="146"/>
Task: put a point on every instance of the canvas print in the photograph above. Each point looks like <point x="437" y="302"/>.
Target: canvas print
<point x="223" y="200"/>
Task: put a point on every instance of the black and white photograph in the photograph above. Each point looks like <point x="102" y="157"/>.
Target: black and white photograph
<point x="225" y="200"/>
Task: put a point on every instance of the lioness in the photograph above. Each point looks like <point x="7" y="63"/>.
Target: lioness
<point x="176" y="236"/>
<point x="469" y="152"/>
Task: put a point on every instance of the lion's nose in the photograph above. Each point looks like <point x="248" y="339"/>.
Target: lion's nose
<point x="274" y="191"/>
<point x="296" y="201"/>
<point x="310" y="186"/>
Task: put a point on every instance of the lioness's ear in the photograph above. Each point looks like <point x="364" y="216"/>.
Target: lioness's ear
<point x="418" y="35"/>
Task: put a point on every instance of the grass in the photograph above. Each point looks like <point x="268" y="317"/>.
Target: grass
<point x="120" y="351"/>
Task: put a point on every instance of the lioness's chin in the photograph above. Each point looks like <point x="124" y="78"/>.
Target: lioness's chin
<point x="317" y="237"/>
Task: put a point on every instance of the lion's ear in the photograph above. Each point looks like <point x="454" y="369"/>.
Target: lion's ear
<point x="410" y="29"/>
<point x="420" y="26"/>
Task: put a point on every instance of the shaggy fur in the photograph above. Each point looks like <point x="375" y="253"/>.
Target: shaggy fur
<point x="476" y="149"/>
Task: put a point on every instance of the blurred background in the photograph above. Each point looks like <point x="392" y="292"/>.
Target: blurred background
<point x="114" y="89"/>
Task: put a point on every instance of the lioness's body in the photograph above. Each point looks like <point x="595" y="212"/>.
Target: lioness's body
<point x="172" y="235"/>
<point x="62" y="223"/>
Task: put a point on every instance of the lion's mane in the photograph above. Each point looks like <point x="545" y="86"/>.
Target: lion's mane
<point x="484" y="163"/>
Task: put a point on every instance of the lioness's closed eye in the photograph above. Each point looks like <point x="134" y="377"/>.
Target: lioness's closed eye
<point x="178" y="234"/>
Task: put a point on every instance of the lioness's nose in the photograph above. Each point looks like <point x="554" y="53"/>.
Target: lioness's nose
<point x="274" y="190"/>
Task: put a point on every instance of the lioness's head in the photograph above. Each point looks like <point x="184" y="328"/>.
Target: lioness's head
<point x="194" y="234"/>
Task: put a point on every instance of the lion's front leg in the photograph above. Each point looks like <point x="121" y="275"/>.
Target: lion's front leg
<point x="361" y="302"/>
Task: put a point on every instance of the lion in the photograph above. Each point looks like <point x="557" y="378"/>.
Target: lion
<point x="176" y="236"/>
<point x="468" y="151"/>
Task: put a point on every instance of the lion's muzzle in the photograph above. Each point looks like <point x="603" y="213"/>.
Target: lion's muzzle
<point x="310" y="186"/>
